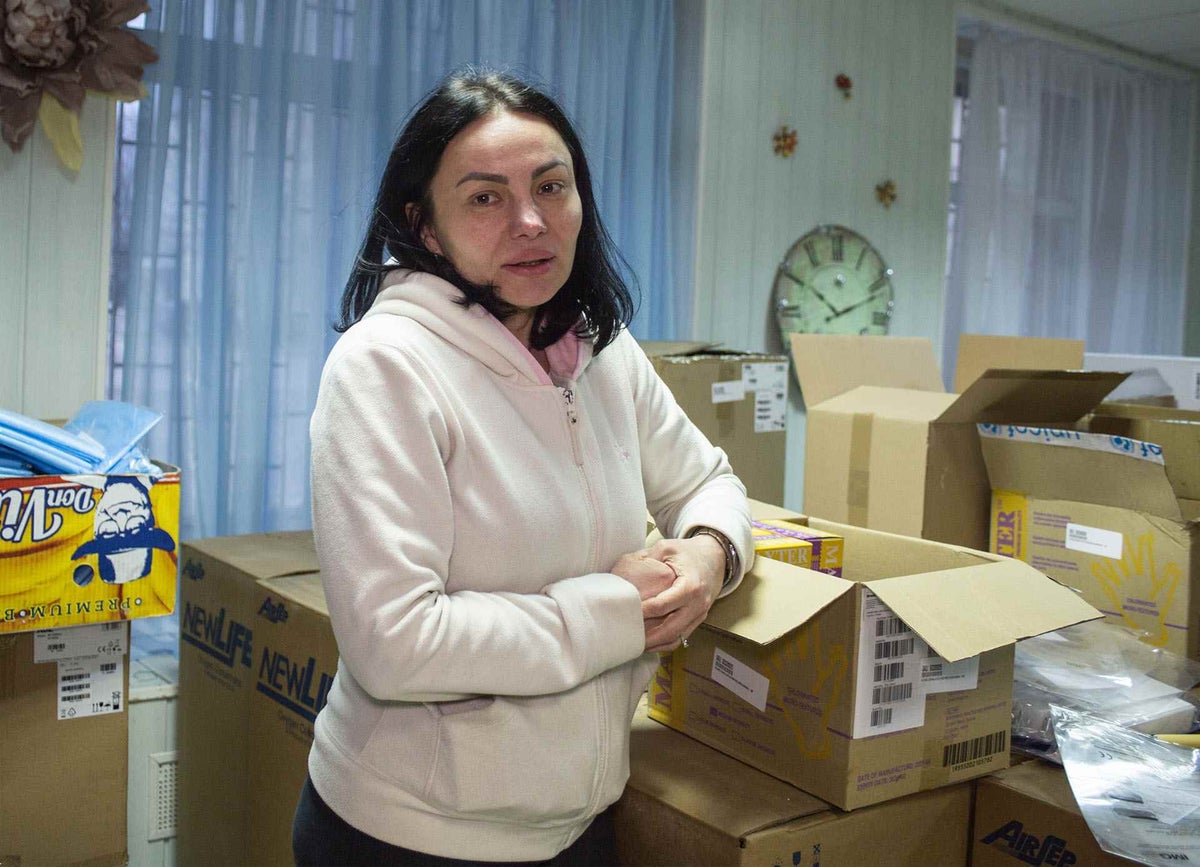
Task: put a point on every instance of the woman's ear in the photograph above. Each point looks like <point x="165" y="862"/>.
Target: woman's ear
<point x="412" y="212"/>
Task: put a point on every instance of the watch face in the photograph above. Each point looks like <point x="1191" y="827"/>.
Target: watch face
<point x="832" y="281"/>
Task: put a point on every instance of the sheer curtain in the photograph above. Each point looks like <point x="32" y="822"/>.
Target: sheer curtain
<point x="1073" y="207"/>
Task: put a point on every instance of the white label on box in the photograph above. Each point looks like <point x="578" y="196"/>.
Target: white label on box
<point x="740" y="679"/>
<point x="770" y="411"/>
<point x="728" y="391"/>
<point x="91" y="686"/>
<point x="889" y="694"/>
<point x="765" y="376"/>
<point x="96" y="639"/>
<point x="1092" y="540"/>
<point x="938" y="675"/>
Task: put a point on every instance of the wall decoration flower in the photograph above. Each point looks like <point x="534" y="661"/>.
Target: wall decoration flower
<point x="52" y="53"/>
<point x="784" y="141"/>
<point x="886" y="193"/>
<point x="844" y="84"/>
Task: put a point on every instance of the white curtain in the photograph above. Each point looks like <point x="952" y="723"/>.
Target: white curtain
<point x="1073" y="200"/>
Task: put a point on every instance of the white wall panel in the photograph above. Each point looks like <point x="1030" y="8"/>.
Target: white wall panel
<point x="54" y="260"/>
<point x="773" y="62"/>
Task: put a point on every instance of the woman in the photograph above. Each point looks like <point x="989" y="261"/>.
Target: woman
<point x="485" y="444"/>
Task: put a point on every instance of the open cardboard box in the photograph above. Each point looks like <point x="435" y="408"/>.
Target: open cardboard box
<point x="1098" y="513"/>
<point x="888" y="448"/>
<point x="686" y="803"/>
<point x="1176" y="431"/>
<point x="893" y="679"/>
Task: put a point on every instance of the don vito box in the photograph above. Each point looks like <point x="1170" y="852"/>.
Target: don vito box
<point x="81" y="549"/>
<point x="892" y="679"/>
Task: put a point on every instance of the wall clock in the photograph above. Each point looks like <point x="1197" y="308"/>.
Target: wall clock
<point x="832" y="281"/>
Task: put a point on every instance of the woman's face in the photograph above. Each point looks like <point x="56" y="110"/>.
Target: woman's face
<point x="505" y="208"/>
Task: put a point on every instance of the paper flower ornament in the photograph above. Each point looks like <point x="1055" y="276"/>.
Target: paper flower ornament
<point x="52" y="53"/>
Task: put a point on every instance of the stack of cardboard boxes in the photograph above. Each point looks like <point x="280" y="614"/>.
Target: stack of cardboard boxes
<point x="73" y="575"/>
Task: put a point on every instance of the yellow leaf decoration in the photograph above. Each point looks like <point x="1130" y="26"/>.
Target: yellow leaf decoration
<point x="62" y="128"/>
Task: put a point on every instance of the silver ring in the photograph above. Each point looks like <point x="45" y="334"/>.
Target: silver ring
<point x="683" y="642"/>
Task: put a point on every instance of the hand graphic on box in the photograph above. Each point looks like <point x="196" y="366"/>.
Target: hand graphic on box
<point x="1137" y="569"/>
<point x="831" y="665"/>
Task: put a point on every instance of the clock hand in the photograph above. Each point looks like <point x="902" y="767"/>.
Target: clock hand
<point x="856" y="304"/>
<point x="813" y="289"/>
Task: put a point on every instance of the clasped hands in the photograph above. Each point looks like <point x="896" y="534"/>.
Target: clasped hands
<point x="678" y="580"/>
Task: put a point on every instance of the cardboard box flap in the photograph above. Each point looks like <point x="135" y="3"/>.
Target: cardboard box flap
<point x="263" y="555"/>
<point x="658" y="348"/>
<point x="1078" y="467"/>
<point x="1177" y="431"/>
<point x="963" y="612"/>
<point x="773" y="599"/>
<point x="830" y="364"/>
<point x="892" y="403"/>
<point x="304" y="589"/>
<point x="1032" y="396"/>
<point x="707" y="785"/>
<point x="978" y="353"/>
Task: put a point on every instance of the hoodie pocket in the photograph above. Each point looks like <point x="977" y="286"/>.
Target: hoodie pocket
<point x="531" y="760"/>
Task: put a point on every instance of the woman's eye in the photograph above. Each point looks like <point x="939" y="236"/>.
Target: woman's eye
<point x="551" y="187"/>
<point x="483" y="198"/>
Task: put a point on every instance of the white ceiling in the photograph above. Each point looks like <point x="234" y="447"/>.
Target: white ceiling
<point x="1166" y="29"/>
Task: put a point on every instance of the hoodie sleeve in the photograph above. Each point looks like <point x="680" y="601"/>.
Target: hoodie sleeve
<point x="383" y="521"/>
<point x="689" y="481"/>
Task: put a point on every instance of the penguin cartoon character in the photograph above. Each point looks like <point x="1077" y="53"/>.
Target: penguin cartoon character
<point x="125" y="532"/>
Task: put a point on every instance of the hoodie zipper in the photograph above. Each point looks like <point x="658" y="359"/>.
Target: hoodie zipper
<point x="602" y="730"/>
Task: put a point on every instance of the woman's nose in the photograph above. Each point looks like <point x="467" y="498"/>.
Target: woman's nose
<point x="527" y="220"/>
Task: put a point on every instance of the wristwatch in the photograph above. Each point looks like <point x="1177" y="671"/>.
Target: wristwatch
<point x="732" y="561"/>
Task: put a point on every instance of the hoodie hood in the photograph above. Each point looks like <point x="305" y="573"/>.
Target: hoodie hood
<point x="434" y="303"/>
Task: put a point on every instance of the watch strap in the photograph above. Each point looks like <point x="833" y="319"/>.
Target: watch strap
<point x="732" y="561"/>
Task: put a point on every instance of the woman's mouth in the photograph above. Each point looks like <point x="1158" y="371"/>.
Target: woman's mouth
<point x="530" y="266"/>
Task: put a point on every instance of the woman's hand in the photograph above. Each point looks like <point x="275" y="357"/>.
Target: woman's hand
<point x="699" y="564"/>
<point x="650" y="575"/>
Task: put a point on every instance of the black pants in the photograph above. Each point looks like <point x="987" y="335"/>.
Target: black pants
<point x="321" y="838"/>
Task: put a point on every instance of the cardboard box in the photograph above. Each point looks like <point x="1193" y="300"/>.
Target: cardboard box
<point x="219" y="660"/>
<point x="1174" y="377"/>
<point x="887" y="448"/>
<point x="686" y="803"/>
<point x="835" y="684"/>
<point x="738" y="400"/>
<point x="1028" y="815"/>
<point x="1176" y="431"/>
<point x="87" y="549"/>
<point x="1098" y="513"/>
<point x="978" y="353"/>
<point x="297" y="658"/>
<point x="799" y="545"/>
<point x="63" y="771"/>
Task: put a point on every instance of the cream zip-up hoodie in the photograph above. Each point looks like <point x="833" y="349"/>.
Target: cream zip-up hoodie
<point x="466" y="512"/>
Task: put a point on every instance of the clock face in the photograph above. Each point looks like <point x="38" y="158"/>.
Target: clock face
<point x="832" y="281"/>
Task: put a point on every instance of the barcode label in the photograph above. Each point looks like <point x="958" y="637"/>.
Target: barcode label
<point x="740" y="679"/>
<point x="888" y="693"/>
<point x="891" y="693"/>
<point x="975" y="748"/>
<point x="90" y="686"/>
<point x="71" y="642"/>
<point x="938" y="675"/>
<point x="888" y="671"/>
<point x="892" y="649"/>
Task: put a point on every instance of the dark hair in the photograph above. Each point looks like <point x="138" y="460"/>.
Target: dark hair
<point x="594" y="299"/>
